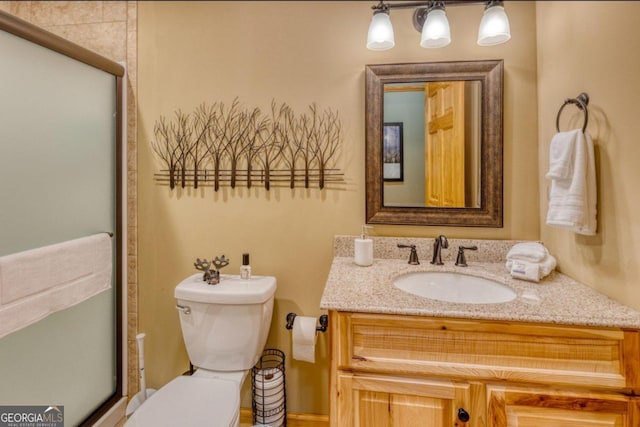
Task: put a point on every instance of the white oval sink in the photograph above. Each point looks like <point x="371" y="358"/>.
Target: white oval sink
<point x="454" y="287"/>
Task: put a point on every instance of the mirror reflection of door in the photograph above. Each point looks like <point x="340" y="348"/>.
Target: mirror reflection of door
<point x="444" y="144"/>
<point x="442" y="141"/>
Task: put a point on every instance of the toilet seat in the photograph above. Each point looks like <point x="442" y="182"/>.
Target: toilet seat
<point x="189" y="401"/>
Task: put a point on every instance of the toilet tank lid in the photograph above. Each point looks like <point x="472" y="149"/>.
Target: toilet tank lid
<point x="231" y="290"/>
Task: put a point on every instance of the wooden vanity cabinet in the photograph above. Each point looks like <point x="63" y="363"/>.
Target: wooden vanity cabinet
<point x="396" y="370"/>
<point x="377" y="400"/>
<point x="522" y="407"/>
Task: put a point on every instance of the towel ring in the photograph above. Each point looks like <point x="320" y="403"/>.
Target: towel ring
<point x="581" y="101"/>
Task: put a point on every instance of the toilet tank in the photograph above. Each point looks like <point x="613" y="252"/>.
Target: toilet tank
<point x="225" y="326"/>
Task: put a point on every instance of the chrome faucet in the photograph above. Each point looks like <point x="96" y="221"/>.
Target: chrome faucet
<point x="440" y="242"/>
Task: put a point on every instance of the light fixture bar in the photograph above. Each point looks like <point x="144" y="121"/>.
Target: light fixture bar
<point x="425" y="4"/>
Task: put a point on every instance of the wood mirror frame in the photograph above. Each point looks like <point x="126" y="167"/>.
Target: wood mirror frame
<point x="490" y="74"/>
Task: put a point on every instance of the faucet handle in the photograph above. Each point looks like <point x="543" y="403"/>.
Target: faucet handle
<point x="461" y="260"/>
<point x="413" y="256"/>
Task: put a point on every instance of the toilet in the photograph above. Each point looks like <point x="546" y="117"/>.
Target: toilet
<point x="224" y="327"/>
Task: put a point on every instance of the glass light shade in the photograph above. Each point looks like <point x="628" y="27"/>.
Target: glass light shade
<point x="435" y="31"/>
<point x="494" y="27"/>
<point x="380" y="36"/>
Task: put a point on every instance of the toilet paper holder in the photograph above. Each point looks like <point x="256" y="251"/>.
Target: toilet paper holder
<point x="323" y="320"/>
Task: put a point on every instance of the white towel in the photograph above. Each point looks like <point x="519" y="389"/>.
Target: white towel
<point x="572" y="200"/>
<point x="528" y="251"/>
<point x="42" y="281"/>
<point x="527" y="270"/>
<point x="561" y="155"/>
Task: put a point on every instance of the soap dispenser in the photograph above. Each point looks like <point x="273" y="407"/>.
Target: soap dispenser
<point x="363" y="249"/>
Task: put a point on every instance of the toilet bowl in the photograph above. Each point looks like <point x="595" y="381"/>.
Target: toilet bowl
<point x="225" y="328"/>
<point x="190" y="401"/>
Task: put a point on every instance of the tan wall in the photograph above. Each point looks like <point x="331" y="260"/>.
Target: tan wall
<point x="297" y="52"/>
<point x="110" y="29"/>
<point x="289" y="233"/>
<point x="595" y="47"/>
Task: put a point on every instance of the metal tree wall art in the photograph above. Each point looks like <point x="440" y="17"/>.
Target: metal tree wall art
<point x="227" y="144"/>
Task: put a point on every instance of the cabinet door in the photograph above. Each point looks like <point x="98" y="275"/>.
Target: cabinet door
<point x="520" y="407"/>
<point x="379" y="401"/>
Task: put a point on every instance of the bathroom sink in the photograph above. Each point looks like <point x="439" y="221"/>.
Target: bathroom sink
<point x="454" y="287"/>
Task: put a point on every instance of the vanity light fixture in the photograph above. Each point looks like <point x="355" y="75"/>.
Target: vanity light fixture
<point x="435" y="31"/>
<point x="380" y="36"/>
<point x="430" y="19"/>
<point x="494" y="26"/>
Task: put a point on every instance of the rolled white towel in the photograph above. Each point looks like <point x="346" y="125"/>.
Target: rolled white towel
<point x="524" y="270"/>
<point x="528" y="251"/>
<point x="547" y="265"/>
<point x="533" y="271"/>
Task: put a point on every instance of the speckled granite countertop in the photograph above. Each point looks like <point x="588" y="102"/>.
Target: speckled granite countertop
<point x="557" y="299"/>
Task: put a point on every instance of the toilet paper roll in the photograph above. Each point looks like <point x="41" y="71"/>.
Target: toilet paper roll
<point x="276" y="419"/>
<point x="269" y="403"/>
<point x="269" y="389"/>
<point x="304" y="339"/>
<point x="268" y="377"/>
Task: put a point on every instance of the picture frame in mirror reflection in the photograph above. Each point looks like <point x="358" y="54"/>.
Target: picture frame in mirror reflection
<point x="392" y="152"/>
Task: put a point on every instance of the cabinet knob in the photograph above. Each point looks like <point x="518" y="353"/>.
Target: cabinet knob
<point x="463" y="415"/>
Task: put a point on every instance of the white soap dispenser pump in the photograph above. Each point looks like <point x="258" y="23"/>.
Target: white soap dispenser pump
<point x="363" y="249"/>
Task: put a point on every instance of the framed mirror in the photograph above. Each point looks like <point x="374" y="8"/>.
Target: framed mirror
<point x="434" y="143"/>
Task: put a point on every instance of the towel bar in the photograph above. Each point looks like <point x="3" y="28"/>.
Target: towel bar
<point x="581" y="101"/>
